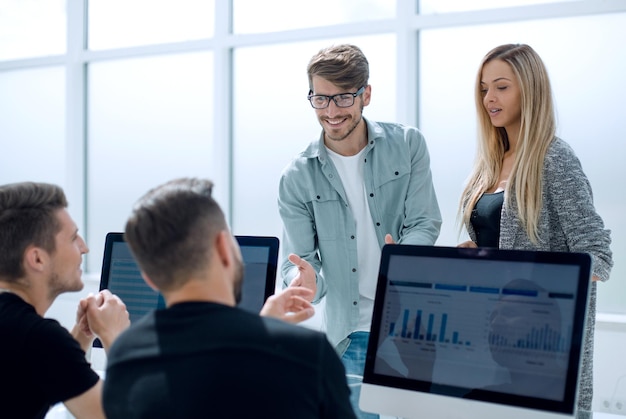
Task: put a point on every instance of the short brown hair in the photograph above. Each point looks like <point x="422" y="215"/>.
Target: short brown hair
<point x="171" y="230"/>
<point x="27" y="217"/>
<point x="343" y="65"/>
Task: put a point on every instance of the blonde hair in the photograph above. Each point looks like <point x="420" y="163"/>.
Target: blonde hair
<point x="537" y="130"/>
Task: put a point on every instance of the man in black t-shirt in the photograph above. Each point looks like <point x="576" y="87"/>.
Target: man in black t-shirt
<point x="40" y="258"/>
<point x="202" y="356"/>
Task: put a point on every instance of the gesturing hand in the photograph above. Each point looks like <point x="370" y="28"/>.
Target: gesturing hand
<point x="306" y="274"/>
<point x="291" y="305"/>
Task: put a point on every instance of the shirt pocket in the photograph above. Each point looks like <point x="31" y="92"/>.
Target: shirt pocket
<point x="329" y="213"/>
<point x="392" y="187"/>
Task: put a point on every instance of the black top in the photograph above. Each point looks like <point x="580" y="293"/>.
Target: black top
<point x="200" y="360"/>
<point x="486" y="219"/>
<point x="42" y="363"/>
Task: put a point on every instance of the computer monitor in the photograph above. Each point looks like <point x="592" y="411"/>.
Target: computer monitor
<point x="467" y="333"/>
<point x="121" y="275"/>
<point x="260" y="258"/>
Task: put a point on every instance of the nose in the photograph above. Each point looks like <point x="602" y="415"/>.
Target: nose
<point x="332" y="108"/>
<point x="83" y="245"/>
<point x="489" y="97"/>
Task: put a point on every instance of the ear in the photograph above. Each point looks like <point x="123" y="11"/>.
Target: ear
<point x="35" y="259"/>
<point x="367" y="95"/>
<point x="223" y="248"/>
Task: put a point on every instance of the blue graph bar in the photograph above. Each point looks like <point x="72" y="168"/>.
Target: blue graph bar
<point x="414" y="332"/>
<point x="405" y="320"/>
<point x="418" y="322"/>
<point x="543" y="338"/>
<point x="429" y="332"/>
<point x="442" y="329"/>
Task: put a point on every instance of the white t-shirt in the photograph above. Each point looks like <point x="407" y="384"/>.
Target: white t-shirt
<point x="350" y="170"/>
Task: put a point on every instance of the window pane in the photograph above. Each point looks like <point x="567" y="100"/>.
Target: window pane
<point x="268" y="133"/>
<point x="444" y="6"/>
<point x="305" y="14"/>
<point x="32" y="126"/>
<point x="123" y="23"/>
<point x="150" y="120"/>
<point x="31" y="28"/>
<point x="588" y="87"/>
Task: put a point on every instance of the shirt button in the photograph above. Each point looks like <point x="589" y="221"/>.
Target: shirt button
<point x="354" y="303"/>
<point x="371" y="194"/>
<point x="352" y="237"/>
<point x="397" y="173"/>
<point x="353" y="269"/>
<point x="377" y="224"/>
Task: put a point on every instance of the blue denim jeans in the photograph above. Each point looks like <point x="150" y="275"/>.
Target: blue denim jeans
<point x="354" y="361"/>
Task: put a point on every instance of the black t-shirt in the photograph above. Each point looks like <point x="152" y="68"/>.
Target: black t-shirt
<point x="42" y="364"/>
<point x="486" y="219"/>
<point x="198" y="360"/>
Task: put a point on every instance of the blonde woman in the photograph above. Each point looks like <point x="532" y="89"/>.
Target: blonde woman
<point x="527" y="189"/>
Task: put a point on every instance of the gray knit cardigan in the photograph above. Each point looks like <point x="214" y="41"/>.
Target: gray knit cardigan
<point x="568" y="222"/>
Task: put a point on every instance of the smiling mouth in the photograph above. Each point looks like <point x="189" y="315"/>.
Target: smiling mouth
<point x="335" y="121"/>
<point x="496" y="110"/>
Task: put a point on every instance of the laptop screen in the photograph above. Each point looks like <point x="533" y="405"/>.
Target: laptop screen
<point x="486" y="325"/>
<point x="121" y="275"/>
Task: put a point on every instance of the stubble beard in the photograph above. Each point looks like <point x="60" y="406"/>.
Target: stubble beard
<point x="238" y="282"/>
<point x="59" y="286"/>
<point x="350" y="129"/>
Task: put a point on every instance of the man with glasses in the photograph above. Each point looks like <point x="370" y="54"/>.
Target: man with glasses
<point x="360" y="185"/>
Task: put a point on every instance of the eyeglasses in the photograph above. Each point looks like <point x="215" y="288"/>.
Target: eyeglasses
<point x="342" y="100"/>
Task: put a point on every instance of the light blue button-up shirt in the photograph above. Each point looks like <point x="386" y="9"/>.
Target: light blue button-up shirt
<point x="318" y="223"/>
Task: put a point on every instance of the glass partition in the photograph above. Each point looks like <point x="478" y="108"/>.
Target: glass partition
<point x="150" y="120"/>
<point x="447" y="6"/>
<point x="282" y="15"/>
<point x="32" y="127"/>
<point x="32" y="28"/>
<point x="122" y="23"/>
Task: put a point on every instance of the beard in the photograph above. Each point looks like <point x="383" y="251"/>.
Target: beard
<point x="349" y="130"/>
<point x="58" y="286"/>
<point x="238" y="281"/>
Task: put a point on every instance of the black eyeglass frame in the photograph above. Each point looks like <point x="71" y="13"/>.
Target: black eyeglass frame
<point x="333" y="97"/>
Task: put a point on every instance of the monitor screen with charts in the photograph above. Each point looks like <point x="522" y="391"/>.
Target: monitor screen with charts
<point x="121" y="275"/>
<point x="466" y="333"/>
